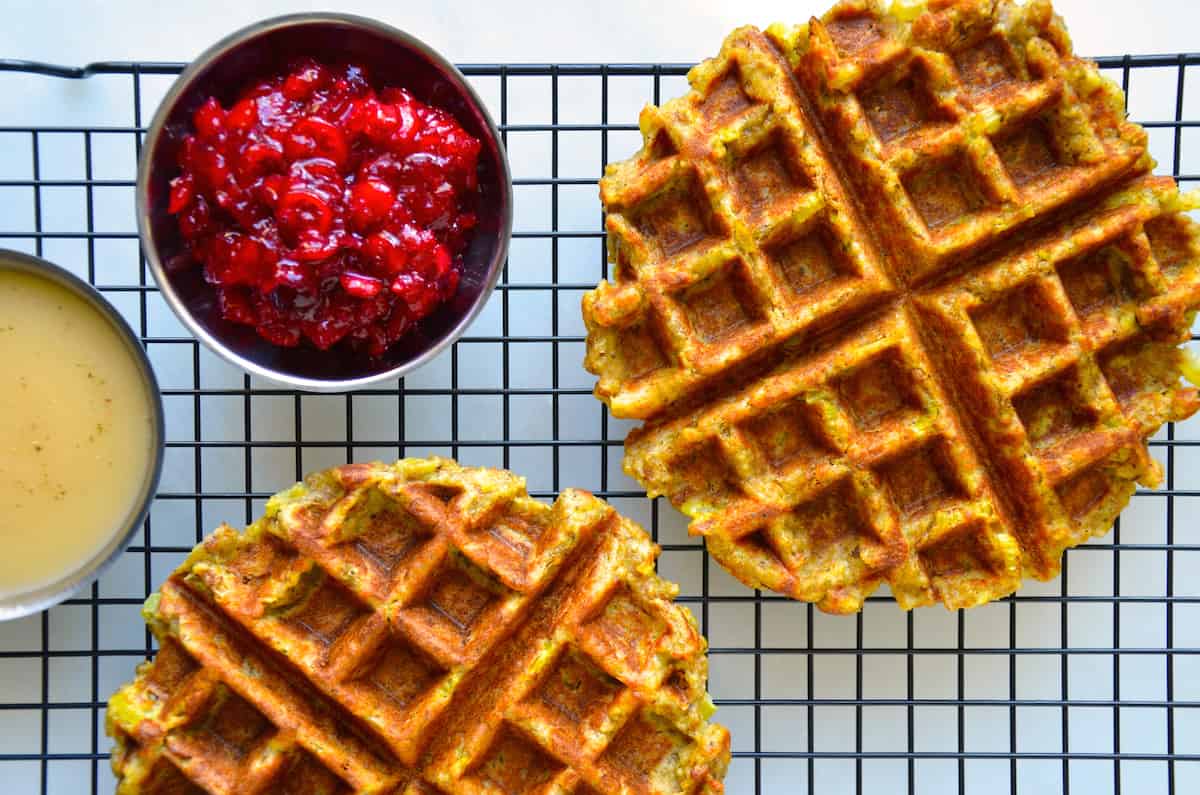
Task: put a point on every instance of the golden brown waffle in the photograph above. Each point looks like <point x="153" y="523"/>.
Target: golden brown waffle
<point x="420" y="628"/>
<point x="899" y="301"/>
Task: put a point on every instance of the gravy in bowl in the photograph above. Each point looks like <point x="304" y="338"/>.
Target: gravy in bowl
<point x="76" y="432"/>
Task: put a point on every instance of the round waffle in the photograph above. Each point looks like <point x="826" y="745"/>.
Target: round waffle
<point x="898" y="300"/>
<point x="420" y="628"/>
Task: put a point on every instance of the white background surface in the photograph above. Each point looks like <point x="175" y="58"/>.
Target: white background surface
<point x="495" y="31"/>
<point x="619" y="30"/>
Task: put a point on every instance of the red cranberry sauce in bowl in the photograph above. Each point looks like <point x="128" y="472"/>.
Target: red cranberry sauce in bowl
<point x="323" y="209"/>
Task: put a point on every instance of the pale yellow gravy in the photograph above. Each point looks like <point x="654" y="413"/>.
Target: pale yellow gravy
<point x="75" y="432"/>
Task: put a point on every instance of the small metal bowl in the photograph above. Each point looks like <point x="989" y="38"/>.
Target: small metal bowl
<point x="89" y="570"/>
<point x="393" y="58"/>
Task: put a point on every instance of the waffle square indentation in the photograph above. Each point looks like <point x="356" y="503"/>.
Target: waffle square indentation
<point x="946" y="190"/>
<point x="878" y="391"/>
<point x="1085" y="492"/>
<point x="1098" y="282"/>
<point x="307" y="776"/>
<point x="623" y="633"/>
<point x="852" y="34"/>
<point x="704" y="465"/>
<point x="641" y="749"/>
<point x="255" y="568"/>
<point x="576" y="694"/>
<point x="1030" y="153"/>
<point x="788" y="434"/>
<point x="726" y="98"/>
<point x="767" y="176"/>
<point x="1138" y="368"/>
<point x="985" y="65"/>
<point x="516" y="766"/>
<point x="811" y="260"/>
<point x="400" y="673"/>
<point x="951" y="559"/>
<point x="678" y="218"/>
<point x="826" y="527"/>
<point x="895" y="109"/>
<point x="1170" y="242"/>
<point x="722" y="304"/>
<point x="921" y="481"/>
<point x="458" y="615"/>
<point x="171" y="666"/>
<point x="1055" y="410"/>
<point x="389" y="537"/>
<point x="641" y="350"/>
<point x="459" y="600"/>
<point x="236" y="724"/>
<point x="328" y="612"/>
<point x="510" y="544"/>
<point x="165" y="777"/>
<point x="1018" y="322"/>
<point x="662" y="146"/>
<point x="227" y="731"/>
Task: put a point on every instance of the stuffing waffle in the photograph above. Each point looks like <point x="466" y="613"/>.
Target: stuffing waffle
<point x="420" y="628"/>
<point x="899" y="300"/>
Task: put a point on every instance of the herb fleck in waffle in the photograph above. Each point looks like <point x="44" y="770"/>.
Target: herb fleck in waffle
<point x="899" y="301"/>
<point x="420" y="628"/>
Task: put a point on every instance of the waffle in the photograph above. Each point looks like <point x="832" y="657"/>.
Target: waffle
<point x="899" y="301"/>
<point x="420" y="628"/>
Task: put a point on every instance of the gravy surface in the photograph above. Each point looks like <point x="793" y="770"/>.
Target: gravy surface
<point x="75" y="432"/>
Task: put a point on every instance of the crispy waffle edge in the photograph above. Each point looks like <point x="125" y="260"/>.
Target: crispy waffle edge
<point x="419" y="628"/>
<point x="897" y="300"/>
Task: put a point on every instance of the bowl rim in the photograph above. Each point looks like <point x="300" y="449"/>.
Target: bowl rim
<point x="46" y="596"/>
<point x="154" y="132"/>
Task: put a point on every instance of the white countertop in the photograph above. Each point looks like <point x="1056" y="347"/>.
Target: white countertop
<point x="991" y="698"/>
<point x="476" y="32"/>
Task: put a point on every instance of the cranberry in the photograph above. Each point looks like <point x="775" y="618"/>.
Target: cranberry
<point x="315" y="137"/>
<point x="181" y="194"/>
<point x="306" y="78"/>
<point x="196" y="221"/>
<point x="243" y="115"/>
<point x="235" y="305"/>
<point x="329" y="326"/>
<point x="387" y="251"/>
<point x="312" y="246"/>
<point x="304" y="209"/>
<point x="323" y="211"/>
<point x="420" y="296"/>
<point x="239" y="259"/>
<point x="269" y="190"/>
<point x="441" y="260"/>
<point x="259" y="158"/>
<point x="370" y="202"/>
<point x="361" y="286"/>
<point x="211" y="168"/>
<point x="379" y="120"/>
<point x="209" y="120"/>
<point x="387" y="167"/>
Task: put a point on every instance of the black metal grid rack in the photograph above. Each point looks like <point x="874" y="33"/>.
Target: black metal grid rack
<point x="1086" y="682"/>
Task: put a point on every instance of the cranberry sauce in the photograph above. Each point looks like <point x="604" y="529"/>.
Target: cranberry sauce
<point x="323" y="210"/>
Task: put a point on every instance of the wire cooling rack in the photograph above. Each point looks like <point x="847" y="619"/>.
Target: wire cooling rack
<point x="1089" y="683"/>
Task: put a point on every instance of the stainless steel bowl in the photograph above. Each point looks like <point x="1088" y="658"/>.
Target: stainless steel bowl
<point x="24" y="604"/>
<point x="394" y="58"/>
